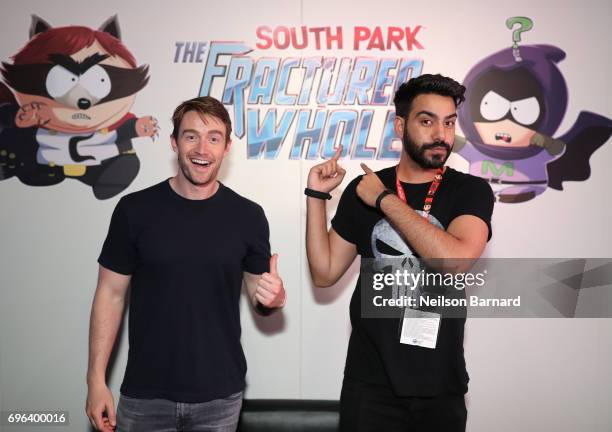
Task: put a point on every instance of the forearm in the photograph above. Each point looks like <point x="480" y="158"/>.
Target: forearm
<point x="317" y="241"/>
<point x="106" y="314"/>
<point x="427" y="240"/>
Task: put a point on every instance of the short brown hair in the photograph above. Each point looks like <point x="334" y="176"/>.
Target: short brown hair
<point x="204" y="105"/>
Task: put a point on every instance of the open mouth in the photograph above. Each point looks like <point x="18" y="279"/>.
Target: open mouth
<point x="201" y="162"/>
<point x="80" y="116"/>
<point x="505" y="137"/>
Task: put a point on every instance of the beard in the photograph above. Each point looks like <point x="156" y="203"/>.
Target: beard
<point x="417" y="153"/>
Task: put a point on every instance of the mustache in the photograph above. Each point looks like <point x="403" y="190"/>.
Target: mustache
<point x="436" y="144"/>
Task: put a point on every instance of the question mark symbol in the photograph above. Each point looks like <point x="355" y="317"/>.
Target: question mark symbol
<point x="525" y="24"/>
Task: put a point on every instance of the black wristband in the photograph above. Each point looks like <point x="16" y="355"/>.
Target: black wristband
<point x="380" y="198"/>
<point x="317" y="194"/>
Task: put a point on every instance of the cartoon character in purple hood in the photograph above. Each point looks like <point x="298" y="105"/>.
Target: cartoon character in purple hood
<point x="513" y="107"/>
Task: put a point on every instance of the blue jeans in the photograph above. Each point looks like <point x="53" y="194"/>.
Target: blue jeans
<point x="160" y="415"/>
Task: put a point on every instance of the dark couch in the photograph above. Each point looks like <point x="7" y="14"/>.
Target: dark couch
<point x="287" y="415"/>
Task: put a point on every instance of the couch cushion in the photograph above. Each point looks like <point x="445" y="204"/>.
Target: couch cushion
<point x="289" y="415"/>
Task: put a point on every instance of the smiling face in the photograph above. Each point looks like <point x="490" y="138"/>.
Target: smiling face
<point x="201" y="146"/>
<point x="428" y="133"/>
<point x="79" y="91"/>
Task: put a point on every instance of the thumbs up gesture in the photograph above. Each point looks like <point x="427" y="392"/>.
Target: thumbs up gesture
<point x="326" y="176"/>
<point x="270" y="291"/>
<point x="370" y="186"/>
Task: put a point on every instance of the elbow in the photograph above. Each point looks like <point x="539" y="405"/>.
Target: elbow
<point x="318" y="277"/>
<point x="453" y="264"/>
<point x="322" y="282"/>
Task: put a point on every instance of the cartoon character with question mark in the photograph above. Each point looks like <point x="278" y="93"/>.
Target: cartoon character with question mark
<point x="515" y="101"/>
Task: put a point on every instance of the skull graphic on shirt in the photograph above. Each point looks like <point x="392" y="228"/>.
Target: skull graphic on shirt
<point x="392" y="253"/>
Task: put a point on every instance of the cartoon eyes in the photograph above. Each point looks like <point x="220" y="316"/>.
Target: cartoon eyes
<point x="60" y="81"/>
<point x="494" y="107"/>
<point x="525" y="111"/>
<point x="95" y="80"/>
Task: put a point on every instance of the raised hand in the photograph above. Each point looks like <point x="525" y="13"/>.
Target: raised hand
<point x="326" y="176"/>
<point x="270" y="290"/>
<point x="33" y="114"/>
<point x="147" y="126"/>
<point x="369" y="187"/>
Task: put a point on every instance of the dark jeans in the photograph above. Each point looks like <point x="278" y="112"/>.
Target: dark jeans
<point x="368" y="407"/>
<point x="160" y="415"/>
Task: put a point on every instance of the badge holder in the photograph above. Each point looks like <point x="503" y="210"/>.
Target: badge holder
<point x="419" y="328"/>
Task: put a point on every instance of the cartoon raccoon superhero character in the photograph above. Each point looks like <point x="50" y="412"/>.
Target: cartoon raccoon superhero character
<point x="68" y="114"/>
<point x="512" y="109"/>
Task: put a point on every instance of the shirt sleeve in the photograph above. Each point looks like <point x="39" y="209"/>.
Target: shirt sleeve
<point x="119" y="251"/>
<point x="476" y="198"/>
<point x="343" y="221"/>
<point x="257" y="259"/>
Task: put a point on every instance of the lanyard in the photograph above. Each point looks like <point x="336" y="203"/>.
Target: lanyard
<point x="430" y="193"/>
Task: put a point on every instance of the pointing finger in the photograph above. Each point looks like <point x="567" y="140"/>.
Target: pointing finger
<point x="338" y="153"/>
<point x="366" y="169"/>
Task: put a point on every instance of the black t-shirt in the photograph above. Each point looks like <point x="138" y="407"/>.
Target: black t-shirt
<point x="186" y="258"/>
<point x="375" y="354"/>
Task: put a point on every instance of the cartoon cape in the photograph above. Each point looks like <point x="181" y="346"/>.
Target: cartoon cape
<point x="590" y="132"/>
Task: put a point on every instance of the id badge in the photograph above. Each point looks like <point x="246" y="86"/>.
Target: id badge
<point x="420" y="328"/>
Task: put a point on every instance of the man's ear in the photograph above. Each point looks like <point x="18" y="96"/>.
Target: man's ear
<point x="398" y="126"/>
<point x="173" y="144"/>
<point x="228" y="144"/>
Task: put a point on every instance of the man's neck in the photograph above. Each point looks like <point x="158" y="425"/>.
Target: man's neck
<point x="411" y="172"/>
<point x="188" y="190"/>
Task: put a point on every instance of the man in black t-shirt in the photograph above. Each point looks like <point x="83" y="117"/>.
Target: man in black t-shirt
<point x="185" y="246"/>
<point x="403" y="379"/>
